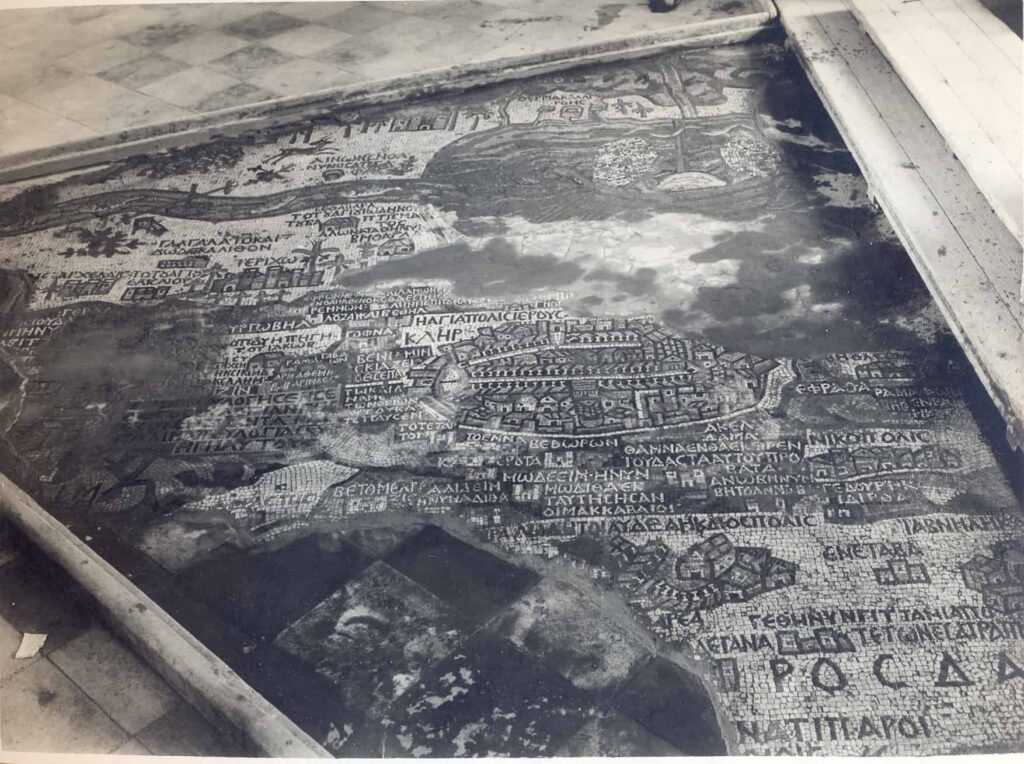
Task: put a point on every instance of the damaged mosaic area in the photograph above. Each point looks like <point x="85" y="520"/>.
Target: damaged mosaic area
<point x="599" y="413"/>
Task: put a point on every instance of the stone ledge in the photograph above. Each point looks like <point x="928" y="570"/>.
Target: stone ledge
<point x="161" y="136"/>
<point x="195" y="672"/>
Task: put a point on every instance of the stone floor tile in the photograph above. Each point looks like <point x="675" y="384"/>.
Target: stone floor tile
<point x="386" y="69"/>
<point x="102" y="56"/>
<point x="106" y="106"/>
<point x="562" y="626"/>
<point x="304" y="76"/>
<point x="204" y="47"/>
<point x="183" y="732"/>
<point x="466" y="15"/>
<point x="43" y="710"/>
<point x="189" y="87"/>
<point x="126" y="19"/>
<point x="10" y="638"/>
<point x="212" y="16"/>
<point x="237" y="95"/>
<point x="472" y="580"/>
<point x="313" y="702"/>
<point x="306" y="39"/>
<point x="260" y="26"/>
<point x="25" y="79"/>
<point x="360" y="18"/>
<point x="480" y="46"/>
<point x="360" y="653"/>
<point x="350" y="53"/>
<point x="612" y="734"/>
<point x="423" y="7"/>
<point x="7" y="554"/>
<point x="109" y="673"/>
<point x="488" y="697"/>
<point x="307" y="11"/>
<point x="263" y="593"/>
<point x="674" y="705"/>
<point x="245" y="63"/>
<point x="142" y="71"/>
<point x="386" y="39"/>
<point x="43" y="36"/>
<point x="413" y="31"/>
<point x="37" y="597"/>
<point x="157" y="36"/>
<point x="10" y="540"/>
<point x="133" y="748"/>
<point x="498" y="47"/>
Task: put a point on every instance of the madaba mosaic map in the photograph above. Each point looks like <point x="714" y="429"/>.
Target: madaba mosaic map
<point x="599" y="413"/>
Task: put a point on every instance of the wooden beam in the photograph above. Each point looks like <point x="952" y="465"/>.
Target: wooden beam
<point x="966" y="83"/>
<point x="970" y="261"/>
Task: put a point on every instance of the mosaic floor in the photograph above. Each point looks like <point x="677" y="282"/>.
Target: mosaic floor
<point x="595" y="414"/>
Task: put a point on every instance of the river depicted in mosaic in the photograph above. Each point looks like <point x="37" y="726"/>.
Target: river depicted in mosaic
<point x="596" y="413"/>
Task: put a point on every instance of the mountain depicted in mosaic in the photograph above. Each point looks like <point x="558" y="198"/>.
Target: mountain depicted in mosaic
<point x="597" y="413"/>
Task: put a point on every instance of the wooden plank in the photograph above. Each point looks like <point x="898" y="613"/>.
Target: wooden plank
<point x="995" y="252"/>
<point x="982" y="130"/>
<point x="1002" y="70"/>
<point x="950" y="46"/>
<point x="1001" y="35"/>
<point x="985" y="319"/>
<point x="909" y="36"/>
<point x="203" y="678"/>
<point x="993" y="247"/>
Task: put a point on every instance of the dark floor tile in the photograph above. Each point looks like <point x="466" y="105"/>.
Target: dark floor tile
<point x="237" y="95"/>
<point x="610" y="733"/>
<point x="362" y="18"/>
<point x="38" y="597"/>
<point x="10" y="543"/>
<point x="376" y="636"/>
<point x="247" y="62"/>
<point x="352" y="52"/>
<point x="262" y="25"/>
<point x="209" y="626"/>
<point x="473" y="580"/>
<point x="486" y="699"/>
<point x="673" y="704"/>
<point x="263" y="593"/>
<point x="142" y="71"/>
<point x="313" y="702"/>
<point x="157" y="36"/>
<point x="377" y="541"/>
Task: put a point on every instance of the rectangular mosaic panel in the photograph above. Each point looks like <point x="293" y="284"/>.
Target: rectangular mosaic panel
<point x="599" y="413"/>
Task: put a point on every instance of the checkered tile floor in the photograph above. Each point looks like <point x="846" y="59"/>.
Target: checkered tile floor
<point x="86" y="691"/>
<point x="73" y="73"/>
<point x="409" y="640"/>
<point x="357" y="655"/>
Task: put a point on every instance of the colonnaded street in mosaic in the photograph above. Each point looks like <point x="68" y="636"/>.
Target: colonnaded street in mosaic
<point x="599" y="413"/>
